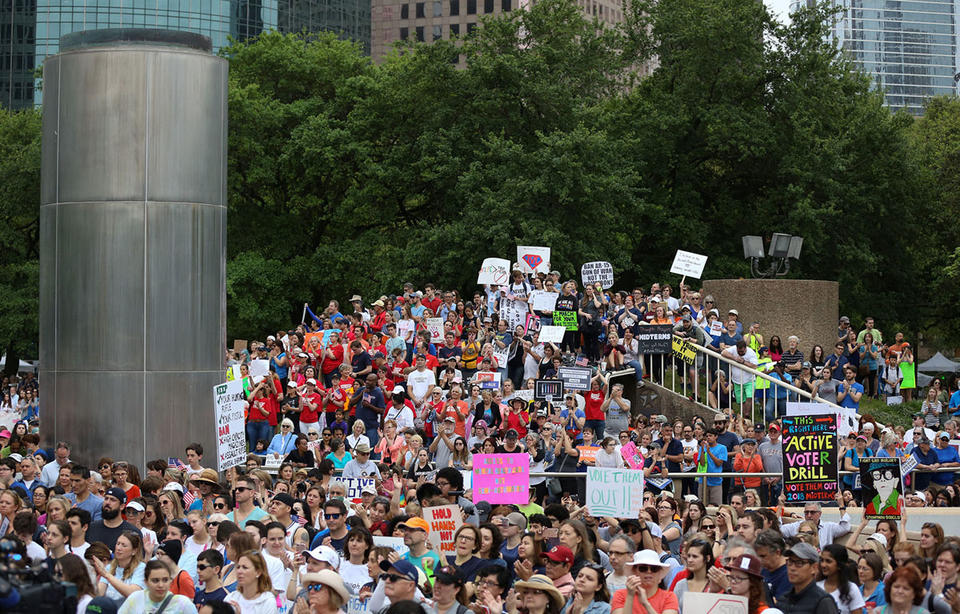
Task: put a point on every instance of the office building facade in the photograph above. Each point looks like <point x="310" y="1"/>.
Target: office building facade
<point x="907" y="47"/>
<point x="430" y="20"/>
<point x="30" y="30"/>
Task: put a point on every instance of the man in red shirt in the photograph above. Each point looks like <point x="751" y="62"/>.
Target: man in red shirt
<point x="594" y="404"/>
<point x="379" y="318"/>
<point x="431" y="301"/>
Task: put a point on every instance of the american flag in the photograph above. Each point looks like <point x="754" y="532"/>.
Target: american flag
<point x="582" y="361"/>
<point x="301" y="521"/>
<point x="188" y="498"/>
<point x="176" y="463"/>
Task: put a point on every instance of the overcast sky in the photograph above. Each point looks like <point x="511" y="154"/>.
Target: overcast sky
<point x="780" y="8"/>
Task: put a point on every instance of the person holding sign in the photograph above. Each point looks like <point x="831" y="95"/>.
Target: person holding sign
<point x="565" y="314"/>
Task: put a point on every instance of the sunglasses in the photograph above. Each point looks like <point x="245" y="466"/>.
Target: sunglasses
<point x="332" y="516"/>
<point x="201" y="566"/>
<point x="708" y="527"/>
<point x="242" y="489"/>
<point x="214" y="524"/>
<point x="646" y="568"/>
<point x="219" y="506"/>
<point x="393" y="577"/>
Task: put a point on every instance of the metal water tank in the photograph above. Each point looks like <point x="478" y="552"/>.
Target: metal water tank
<point x="132" y="243"/>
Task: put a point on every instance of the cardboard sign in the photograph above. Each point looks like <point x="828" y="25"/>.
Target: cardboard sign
<point x="847" y="420"/>
<point x="588" y="454"/>
<point x="526" y="395"/>
<point x="714" y="603"/>
<point x="533" y="324"/>
<point x="259" y="368"/>
<point x="881" y="482"/>
<point x="575" y="378"/>
<point x="566" y="319"/>
<point x="614" y="492"/>
<point x="229" y="401"/>
<point x="533" y="259"/>
<point x="239" y="345"/>
<point x="552" y="334"/>
<point x="444" y="522"/>
<point x="688" y="263"/>
<point x="597" y="273"/>
<point x="810" y="458"/>
<point x="396" y="543"/>
<point x="684" y="351"/>
<point x="501" y="478"/>
<point x="543" y="301"/>
<point x="631" y="455"/>
<point x="548" y="390"/>
<point x="654" y="339"/>
<point x="435" y="326"/>
<point x="494" y="272"/>
<point x="514" y="312"/>
<point x="355" y="487"/>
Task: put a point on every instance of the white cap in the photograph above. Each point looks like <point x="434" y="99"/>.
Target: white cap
<point x="271" y="338"/>
<point x="398" y="390"/>
<point x="325" y="554"/>
<point x="312" y="381"/>
<point x="134" y="505"/>
<point x="174" y="486"/>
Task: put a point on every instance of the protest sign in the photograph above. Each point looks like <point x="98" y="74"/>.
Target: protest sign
<point x="575" y="378"/>
<point x="552" y="334"/>
<point x="395" y="543"/>
<point x="435" y="326"/>
<point x="688" y="264"/>
<point x="597" y="273"/>
<point x="716" y="328"/>
<point x="881" y="487"/>
<point x="908" y="463"/>
<point x="714" y="603"/>
<point x="355" y="487"/>
<point x="444" y="522"/>
<point x="533" y="259"/>
<point x="259" y="368"/>
<point x="239" y="345"/>
<point x="548" y="390"/>
<point x="514" y="312"/>
<point x="526" y="395"/>
<point x="501" y="357"/>
<point x="810" y="457"/>
<point x="234" y="373"/>
<point x="631" y="455"/>
<point x="847" y="420"/>
<point x="654" y="339"/>
<point x="494" y="272"/>
<point x="588" y="454"/>
<point x="487" y="379"/>
<point x="533" y="324"/>
<point x="543" y="301"/>
<point x="467" y="479"/>
<point x="356" y="605"/>
<point x="501" y="478"/>
<point x="229" y="401"/>
<point x="566" y="319"/>
<point x="684" y="351"/>
<point x="614" y="492"/>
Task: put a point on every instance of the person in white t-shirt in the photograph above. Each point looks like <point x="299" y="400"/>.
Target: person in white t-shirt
<point x="742" y="379"/>
<point x="420" y="382"/>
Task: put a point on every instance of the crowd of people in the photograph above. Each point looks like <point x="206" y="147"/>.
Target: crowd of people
<point x="381" y="396"/>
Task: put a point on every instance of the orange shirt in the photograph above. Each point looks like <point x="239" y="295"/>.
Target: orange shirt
<point x="661" y="601"/>
<point x="742" y="465"/>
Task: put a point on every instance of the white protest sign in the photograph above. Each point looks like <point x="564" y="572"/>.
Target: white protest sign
<point x="552" y="334"/>
<point x="467" y="480"/>
<point x="229" y="401"/>
<point x="847" y="421"/>
<point x="614" y="492"/>
<point x="543" y="301"/>
<point x="526" y="395"/>
<point x="259" y="368"/>
<point x="716" y="328"/>
<point x="435" y="326"/>
<point x="494" y="272"/>
<point x="514" y="312"/>
<point x="396" y="543"/>
<point x="533" y="259"/>
<point x="234" y="373"/>
<point x="908" y="463"/>
<point x="501" y="358"/>
<point x="714" y="603"/>
<point x="597" y="272"/>
<point x="444" y="522"/>
<point x="688" y="263"/>
<point x="358" y="606"/>
<point x="355" y="487"/>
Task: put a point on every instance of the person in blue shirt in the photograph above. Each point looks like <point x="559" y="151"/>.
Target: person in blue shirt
<point x="926" y="459"/>
<point x="849" y="391"/>
<point x="776" y="404"/>
<point x="370" y="404"/>
<point x="715" y="455"/>
<point x="954" y="403"/>
<point x="947" y="457"/>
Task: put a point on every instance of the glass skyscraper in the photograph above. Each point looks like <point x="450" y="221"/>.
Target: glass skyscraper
<point x="30" y="30"/>
<point x="908" y="47"/>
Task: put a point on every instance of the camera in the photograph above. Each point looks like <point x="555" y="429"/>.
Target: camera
<point x="31" y="590"/>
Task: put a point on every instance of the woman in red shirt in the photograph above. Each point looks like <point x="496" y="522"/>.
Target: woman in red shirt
<point x="332" y="358"/>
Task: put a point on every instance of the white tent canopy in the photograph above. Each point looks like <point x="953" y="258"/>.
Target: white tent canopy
<point x="939" y="363"/>
<point x="24" y="366"/>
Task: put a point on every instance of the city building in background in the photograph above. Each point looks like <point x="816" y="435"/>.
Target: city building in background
<point x="908" y="47"/>
<point x="30" y="30"/>
<point x="430" y="20"/>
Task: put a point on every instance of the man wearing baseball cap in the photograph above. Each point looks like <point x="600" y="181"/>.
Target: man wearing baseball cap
<point x="771" y="453"/>
<point x="400" y="583"/>
<point x="805" y="597"/>
<point x="111" y="524"/>
<point x="415" y="531"/>
<point x="558" y="562"/>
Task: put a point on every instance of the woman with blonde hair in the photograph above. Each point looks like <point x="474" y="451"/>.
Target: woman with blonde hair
<point x="808" y="533"/>
<point x="254" y="593"/>
<point x="124" y="575"/>
<point x="10" y="504"/>
<point x="171" y="506"/>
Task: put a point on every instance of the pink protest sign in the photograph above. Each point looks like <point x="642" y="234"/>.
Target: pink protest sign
<point x="631" y="455"/>
<point x="501" y="478"/>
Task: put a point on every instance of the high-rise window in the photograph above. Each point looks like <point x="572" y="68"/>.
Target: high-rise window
<point x="505" y="6"/>
<point x="404" y="33"/>
<point x="487" y="6"/>
<point x="471" y="7"/>
<point x="437" y="32"/>
<point x="454" y="7"/>
<point x="454" y="30"/>
<point x="420" y="10"/>
<point x="471" y="27"/>
<point x="420" y="34"/>
<point x="404" y="11"/>
<point x="437" y="8"/>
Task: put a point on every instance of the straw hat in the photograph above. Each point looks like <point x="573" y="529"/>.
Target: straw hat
<point x="541" y="582"/>
<point x="329" y="578"/>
